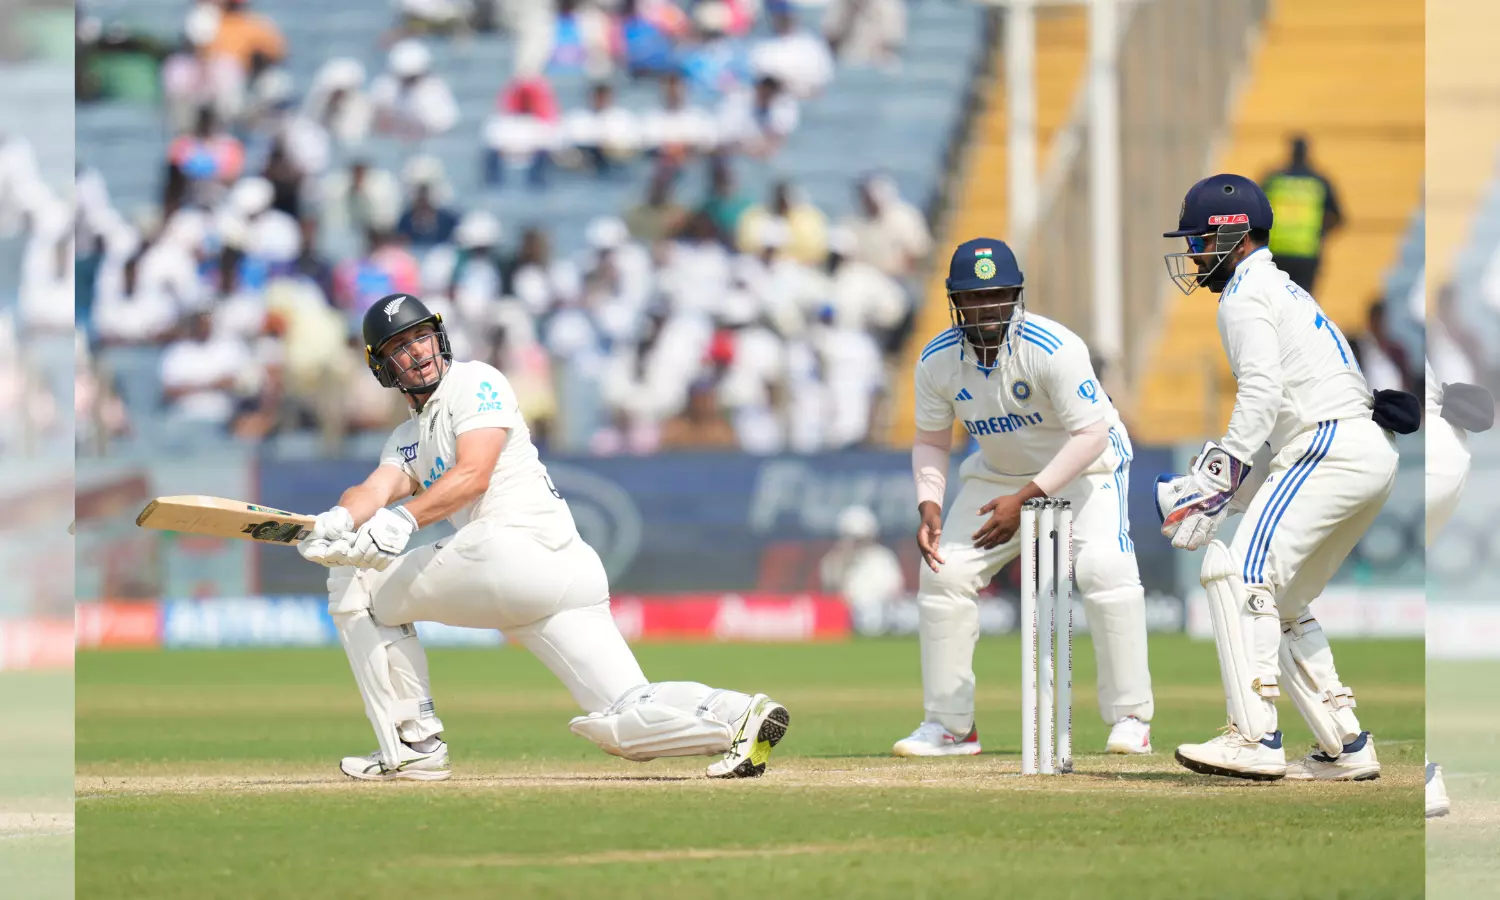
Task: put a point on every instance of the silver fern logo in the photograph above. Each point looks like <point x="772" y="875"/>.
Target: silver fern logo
<point x="394" y="307"/>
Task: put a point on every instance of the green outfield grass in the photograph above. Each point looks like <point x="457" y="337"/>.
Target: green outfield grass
<point x="36" y="785"/>
<point x="1463" y="736"/>
<point x="212" y="775"/>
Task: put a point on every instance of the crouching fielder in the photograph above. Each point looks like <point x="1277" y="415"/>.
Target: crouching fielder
<point x="516" y="564"/>
<point x="1453" y="411"/>
<point x="1024" y="386"/>
<point x="1310" y="459"/>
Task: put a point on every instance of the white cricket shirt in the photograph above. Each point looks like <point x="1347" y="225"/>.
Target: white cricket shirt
<point x="1293" y="365"/>
<point x="475" y="395"/>
<point x="1025" y="408"/>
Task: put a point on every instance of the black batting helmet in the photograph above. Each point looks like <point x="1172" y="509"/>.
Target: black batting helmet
<point x="390" y="316"/>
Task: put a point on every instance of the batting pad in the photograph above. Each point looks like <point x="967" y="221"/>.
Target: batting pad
<point x="642" y="732"/>
<point x="1307" y="668"/>
<point x="1247" y="633"/>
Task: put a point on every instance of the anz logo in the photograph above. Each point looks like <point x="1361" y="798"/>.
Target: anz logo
<point x="436" y="472"/>
<point x="1001" y="424"/>
<point x="489" y="398"/>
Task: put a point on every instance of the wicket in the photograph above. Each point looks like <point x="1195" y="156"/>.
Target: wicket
<point x="1046" y="600"/>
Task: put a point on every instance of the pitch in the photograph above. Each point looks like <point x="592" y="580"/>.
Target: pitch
<point x="1463" y="734"/>
<point x="213" y="774"/>
<point x="36" y="783"/>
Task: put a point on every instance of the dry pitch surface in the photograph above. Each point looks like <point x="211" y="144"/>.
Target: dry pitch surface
<point x="1463" y="733"/>
<point x="212" y="775"/>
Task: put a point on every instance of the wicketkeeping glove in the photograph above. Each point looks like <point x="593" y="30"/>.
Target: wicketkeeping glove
<point x="382" y="539"/>
<point x="1191" y="506"/>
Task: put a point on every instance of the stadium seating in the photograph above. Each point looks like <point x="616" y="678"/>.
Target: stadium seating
<point x="1309" y="75"/>
<point x="980" y="206"/>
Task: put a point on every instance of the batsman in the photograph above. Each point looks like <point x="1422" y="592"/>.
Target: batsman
<point x="1310" y="459"/>
<point x="516" y="564"/>
<point x="1025" y="387"/>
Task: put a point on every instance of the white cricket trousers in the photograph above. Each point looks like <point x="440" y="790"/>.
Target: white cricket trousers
<point x="1108" y="580"/>
<point x="1448" y="461"/>
<point x="1325" y="488"/>
<point x="550" y="596"/>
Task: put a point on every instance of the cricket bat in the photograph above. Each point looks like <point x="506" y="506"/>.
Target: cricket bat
<point x="217" y="517"/>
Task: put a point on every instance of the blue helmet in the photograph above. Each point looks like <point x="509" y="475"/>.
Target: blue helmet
<point x="1227" y="207"/>
<point x="980" y="264"/>
<point x="988" y="265"/>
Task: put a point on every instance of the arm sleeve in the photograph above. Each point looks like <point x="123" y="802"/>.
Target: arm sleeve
<point x="1250" y="341"/>
<point x="929" y="464"/>
<point x="934" y="409"/>
<point x="1082" y="448"/>
<point x="1069" y="383"/>
<point x="485" y="399"/>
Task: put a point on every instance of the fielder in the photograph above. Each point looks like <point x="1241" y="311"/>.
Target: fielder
<point x="516" y="563"/>
<point x="1453" y="410"/>
<point x="1309" y="459"/>
<point x="1025" y="387"/>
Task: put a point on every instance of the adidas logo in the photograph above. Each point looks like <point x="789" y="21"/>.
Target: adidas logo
<point x="964" y="395"/>
<point x="393" y="307"/>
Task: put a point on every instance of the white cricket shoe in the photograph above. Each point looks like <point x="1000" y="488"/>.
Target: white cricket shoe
<point x="415" y="765"/>
<point x="932" y="739"/>
<point x="760" y="729"/>
<point x="1233" y="755"/>
<point x="1356" y="763"/>
<point x="1130" y="735"/>
<point x="1437" y="794"/>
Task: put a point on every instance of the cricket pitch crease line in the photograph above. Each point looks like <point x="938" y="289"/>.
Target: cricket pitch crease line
<point x="18" y="826"/>
<point x="686" y="854"/>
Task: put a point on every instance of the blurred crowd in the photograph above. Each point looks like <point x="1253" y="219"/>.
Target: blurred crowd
<point x="699" y="316"/>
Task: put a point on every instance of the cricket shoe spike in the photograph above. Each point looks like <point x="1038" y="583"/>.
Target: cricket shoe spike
<point x="1437" y="794"/>
<point x="1130" y="735"/>
<point x="1233" y="755"/>
<point x="1356" y="763"/>
<point x="414" y="766"/>
<point x="759" y="731"/>
<point x="932" y="739"/>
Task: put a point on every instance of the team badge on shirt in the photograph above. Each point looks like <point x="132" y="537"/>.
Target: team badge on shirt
<point x="1021" y="390"/>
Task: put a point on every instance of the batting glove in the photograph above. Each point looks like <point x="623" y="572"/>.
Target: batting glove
<point x="325" y="552"/>
<point x="382" y="539"/>
<point x="334" y="524"/>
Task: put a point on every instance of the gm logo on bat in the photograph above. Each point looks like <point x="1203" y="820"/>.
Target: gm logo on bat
<point x="276" y="532"/>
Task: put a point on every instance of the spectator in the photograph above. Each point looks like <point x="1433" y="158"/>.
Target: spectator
<point x="853" y="378"/>
<point x="425" y="224"/>
<point x="753" y="361"/>
<point x="358" y="201"/>
<point x="866" y="32"/>
<point x="660" y="217"/>
<point x="385" y="268"/>
<point x="1306" y="210"/>
<point x="1380" y="356"/>
<point x="128" y="310"/>
<point x="196" y="77"/>
<point x="726" y="203"/>
<point x="337" y="102"/>
<point x="863" y="297"/>
<point x="694" y="269"/>
<point x="524" y="132"/>
<point x="703" y="426"/>
<point x="585" y="39"/>
<point x="647" y="29"/>
<point x="538" y="281"/>
<point x="606" y="134"/>
<point x="806" y="225"/>
<point x="864" y="572"/>
<point x="410" y="101"/>
<point x="891" y="234"/>
<point x="202" y="165"/>
<point x="709" y="59"/>
<point x="251" y="40"/>
<point x="45" y="302"/>
<point x="441" y="18"/>
<point x="202" y="373"/>
<point x="677" y="130"/>
<point x="793" y="56"/>
<point x="619" y="272"/>
<point x="468" y="272"/>
<point x="757" y="121"/>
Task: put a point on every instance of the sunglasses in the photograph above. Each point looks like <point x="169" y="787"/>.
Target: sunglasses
<point x="1198" y="243"/>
